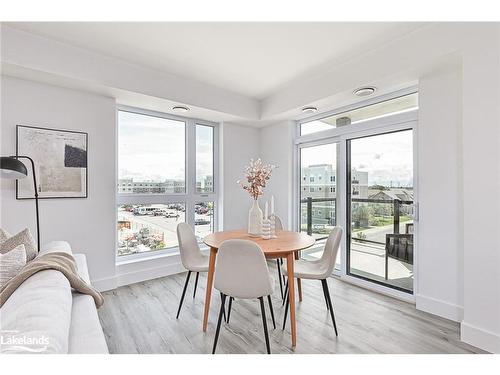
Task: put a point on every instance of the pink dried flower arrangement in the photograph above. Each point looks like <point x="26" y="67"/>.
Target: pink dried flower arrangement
<point x="256" y="174"/>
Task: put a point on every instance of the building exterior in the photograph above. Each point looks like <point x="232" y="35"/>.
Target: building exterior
<point x="206" y="185"/>
<point x="169" y="186"/>
<point x="129" y="186"/>
<point x="401" y="194"/>
<point x="319" y="182"/>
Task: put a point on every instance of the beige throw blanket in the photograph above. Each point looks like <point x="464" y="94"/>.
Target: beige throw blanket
<point x="63" y="262"/>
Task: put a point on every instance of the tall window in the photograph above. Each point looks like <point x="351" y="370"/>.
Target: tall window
<point x="165" y="176"/>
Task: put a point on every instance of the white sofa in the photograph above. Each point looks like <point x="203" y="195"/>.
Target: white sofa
<point x="44" y="315"/>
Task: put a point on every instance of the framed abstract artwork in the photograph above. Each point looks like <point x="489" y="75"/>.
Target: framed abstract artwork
<point x="60" y="158"/>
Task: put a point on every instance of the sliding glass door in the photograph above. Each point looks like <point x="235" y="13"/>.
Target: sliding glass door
<point x="380" y="199"/>
<point x="318" y="194"/>
<point x="355" y="170"/>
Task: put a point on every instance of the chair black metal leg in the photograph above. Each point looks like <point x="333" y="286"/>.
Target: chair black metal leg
<point x="279" y="278"/>
<point x="216" y="338"/>
<point x="286" y="294"/>
<point x="325" y="283"/>
<point x="264" y="322"/>
<point x="324" y="295"/>
<point x="286" y="310"/>
<point x="196" y="284"/>
<point x="272" y="311"/>
<point x="223" y="311"/>
<point x="229" y="309"/>
<point x="183" y="294"/>
<point x="284" y="279"/>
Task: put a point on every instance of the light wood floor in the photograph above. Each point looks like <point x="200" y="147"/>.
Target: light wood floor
<point x="140" y="318"/>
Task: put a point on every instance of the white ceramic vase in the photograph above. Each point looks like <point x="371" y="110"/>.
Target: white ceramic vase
<point x="255" y="220"/>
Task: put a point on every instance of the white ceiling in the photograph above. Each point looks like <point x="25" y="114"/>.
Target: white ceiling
<point x="251" y="59"/>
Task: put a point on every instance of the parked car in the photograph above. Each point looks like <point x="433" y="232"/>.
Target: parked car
<point x="144" y="210"/>
<point x="176" y="206"/>
<point x="201" y="222"/>
<point x="171" y="214"/>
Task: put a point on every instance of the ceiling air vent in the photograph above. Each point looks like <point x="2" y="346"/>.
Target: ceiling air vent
<point x="343" y="121"/>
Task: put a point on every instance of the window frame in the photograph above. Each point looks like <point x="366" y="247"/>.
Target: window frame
<point x="190" y="196"/>
<point x="353" y="128"/>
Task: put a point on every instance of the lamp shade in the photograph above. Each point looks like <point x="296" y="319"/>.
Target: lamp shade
<point x="12" y="168"/>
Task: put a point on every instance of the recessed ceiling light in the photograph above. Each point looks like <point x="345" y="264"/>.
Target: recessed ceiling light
<point x="364" y="91"/>
<point x="180" y="109"/>
<point x="309" y="109"/>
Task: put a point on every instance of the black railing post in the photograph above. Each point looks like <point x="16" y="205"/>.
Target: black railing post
<point x="396" y="215"/>
<point x="309" y="216"/>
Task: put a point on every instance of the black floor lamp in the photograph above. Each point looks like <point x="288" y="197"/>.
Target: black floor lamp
<point x="12" y="168"/>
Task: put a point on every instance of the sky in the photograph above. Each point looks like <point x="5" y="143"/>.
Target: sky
<point x="153" y="148"/>
<point x="387" y="158"/>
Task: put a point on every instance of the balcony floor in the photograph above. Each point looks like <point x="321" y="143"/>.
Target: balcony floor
<point x="368" y="260"/>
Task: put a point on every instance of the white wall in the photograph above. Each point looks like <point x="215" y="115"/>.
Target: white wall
<point x="440" y="227"/>
<point x="239" y="145"/>
<point x="88" y="224"/>
<point x="276" y="147"/>
<point x="481" y="184"/>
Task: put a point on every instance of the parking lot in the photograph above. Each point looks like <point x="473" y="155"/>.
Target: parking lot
<point x="141" y="233"/>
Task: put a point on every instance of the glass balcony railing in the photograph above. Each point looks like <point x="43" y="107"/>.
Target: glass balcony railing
<point x="380" y="242"/>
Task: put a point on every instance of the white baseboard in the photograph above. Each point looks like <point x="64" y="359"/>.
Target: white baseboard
<point x="480" y="338"/>
<point x="103" y="285"/>
<point x="439" y="307"/>
<point x="131" y="272"/>
<point x="402" y="296"/>
<point x="137" y="276"/>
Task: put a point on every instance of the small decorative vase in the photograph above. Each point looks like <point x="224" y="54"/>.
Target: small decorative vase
<point x="266" y="229"/>
<point x="272" y="222"/>
<point x="255" y="220"/>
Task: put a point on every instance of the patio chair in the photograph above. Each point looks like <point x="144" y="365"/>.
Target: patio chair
<point x="399" y="247"/>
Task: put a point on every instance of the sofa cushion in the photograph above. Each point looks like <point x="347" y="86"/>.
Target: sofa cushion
<point x="40" y="308"/>
<point x="85" y="335"/>
<point x="45" y="307"/>
<point x="22" y="238"/>
<point x="37" y="316"/>
<point x="56" y="246"/>
<point x="11" y="264"/>
<point x="4" y="235"/>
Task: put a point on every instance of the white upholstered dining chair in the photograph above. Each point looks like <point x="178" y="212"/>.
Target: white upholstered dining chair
<point x="278" y="222"/>
<point x="241" y="273"/>
<point x="319" y="269"/>
<point x="191" y="256"/>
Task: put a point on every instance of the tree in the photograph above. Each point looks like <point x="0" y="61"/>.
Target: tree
<point x="361" y="215"/>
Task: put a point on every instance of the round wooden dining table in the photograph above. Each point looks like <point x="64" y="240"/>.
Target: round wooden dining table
<point x="285" y="245"/>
